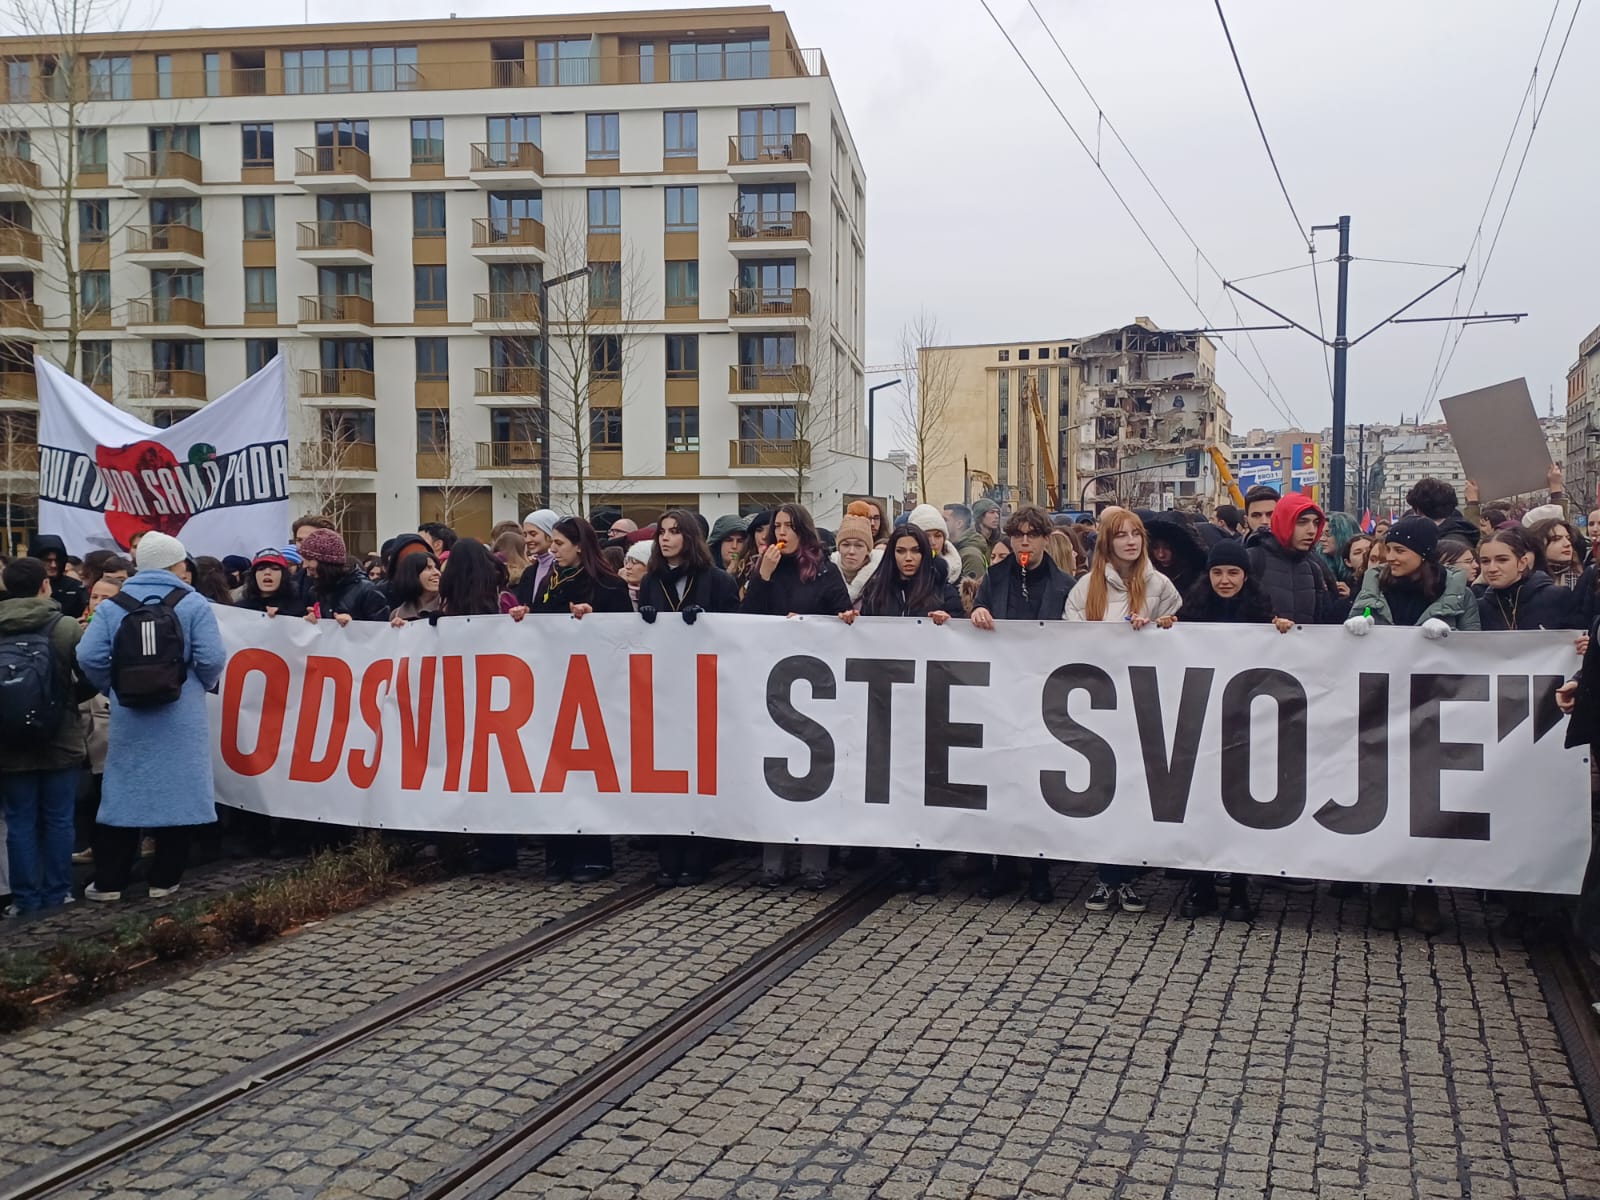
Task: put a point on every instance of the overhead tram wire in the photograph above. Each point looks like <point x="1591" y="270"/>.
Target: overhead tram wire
<point x="1436" y="383"/>
<point x="1299" y="225"/>
<point x="1281" y="403"/>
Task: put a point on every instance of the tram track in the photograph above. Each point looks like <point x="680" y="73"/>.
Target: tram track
<point x="1570" y="981"/>
<point x="555" y="1121"/>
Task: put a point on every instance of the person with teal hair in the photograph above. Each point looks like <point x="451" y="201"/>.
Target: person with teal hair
<point x="1341" y="528"/>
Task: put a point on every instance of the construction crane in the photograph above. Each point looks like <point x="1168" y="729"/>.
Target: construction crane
<point x="1220" y="461"/>
<point x="1030" y="390"/>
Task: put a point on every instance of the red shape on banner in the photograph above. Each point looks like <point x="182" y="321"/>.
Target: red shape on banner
<point x="321" y="670"/>
<point x="416" y="722"/>
<point x="123" y="520"/>
<point x="502" y="724"/>
<point x="579" y="700"/>
<point x="705" y="726"/>
<point x="380" y="674"/>
<point x="642" y="732"/>
<point x="455" y="721"/>
<point x="274" y="706"/>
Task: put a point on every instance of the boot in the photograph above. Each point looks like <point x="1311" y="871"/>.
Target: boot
<point x="1001" y="880"/>
<point x="1200" y="898"/>
<point x="1386" y="902"/>
<point x="1425" y="910"/>
<point x="1239" y="906"/>
<point x="1039" y="889"/>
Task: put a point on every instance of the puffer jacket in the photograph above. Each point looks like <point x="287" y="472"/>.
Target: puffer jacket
<point x="1534" y="603"/>
<point x="351" y="592"/>
<point x="1457" y="607"/>
<point x="1294" y="581"/>
<point x="1161" y="598"/>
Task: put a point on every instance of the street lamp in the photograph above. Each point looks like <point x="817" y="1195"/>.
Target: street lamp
<point x="872" y="425"/>
<point x="544" y="378"/>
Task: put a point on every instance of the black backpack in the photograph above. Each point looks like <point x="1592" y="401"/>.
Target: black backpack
<point x="148" y="664"/>
<point x="33" y="700"/>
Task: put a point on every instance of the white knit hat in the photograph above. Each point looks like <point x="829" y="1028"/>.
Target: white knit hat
<point x="926" y="518"/>
<point x="639" y="552"/>
<point x="158" y="551"/>
<point x="1544" y="512"/>
<point x="544" y="520"/>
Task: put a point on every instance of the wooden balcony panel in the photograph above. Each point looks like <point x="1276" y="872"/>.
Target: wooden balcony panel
<point x="17" y="313"/>
<point x="506" y="381"/>
<point x="506" y="307"/>
<point x="152" y="166"/>
<point x="19" y="454"/>
<point x="167" y="310"/>
<point x="760" y="149"/>
<point x="167" y="385"/>
<point x="333" y="160"/>
<point x="172" y="239"/>
<point x="511" y="232"/>
<point x="17" y="242"/>
<point x="342" y="456"/>
<point x="775" y="379"/>
<point x="334" y="235"/>
<point x="769" y="226"/>
<point x="515" y="156"/>
<point x="769" y="302"/>
<point x="772" y="453"/>
<point x="335" y="310"/>
<point x="505" y="456"/>
<point x="18" y="385"/>
<point x="338" y="382"/>
<point x="18" y="172"/>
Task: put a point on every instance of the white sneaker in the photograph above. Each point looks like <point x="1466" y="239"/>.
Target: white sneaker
<point x="93" y="893"/>
<point x="158" y="893"/>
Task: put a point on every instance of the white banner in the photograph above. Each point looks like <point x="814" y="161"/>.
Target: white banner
<point x="1313" y="753"/>
<point x="218" y="479"/>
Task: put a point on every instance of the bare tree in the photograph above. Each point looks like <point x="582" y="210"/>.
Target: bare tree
<point x="325" y="464"/>
<point x="930" y="376"/>
<point x="458" y="485"/>
<point x="19" y="469"/>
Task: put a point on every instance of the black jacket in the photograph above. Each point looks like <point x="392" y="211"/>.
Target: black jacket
<point x="713" y="590"/>
<point x="66" y="591"/>
<point x="288" y="602"/>
<point x="1535" y="603"/>
<point x="946" y="598"/>
<point x="1202" y="605"/>
<point x="560" y="593"/>
<point x="1295" y="582"/>
<point x="824" y="594"/>
<point x="994" y="593"/>
<point x="351" y="592"/>
<point x="1457" y="526"/>
<point x="1188" y="555"/>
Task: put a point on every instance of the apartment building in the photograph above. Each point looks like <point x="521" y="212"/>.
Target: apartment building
<point x="1582" y="441"/>
<point x="383" y="203"/>
<point x="1116" y="417"/>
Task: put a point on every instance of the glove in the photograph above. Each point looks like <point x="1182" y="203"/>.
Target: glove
<point x="1433" y="629"/>
<point x="690" y="613"/>
<point x="1358" y="626"/>
<point x="648" y="613"/>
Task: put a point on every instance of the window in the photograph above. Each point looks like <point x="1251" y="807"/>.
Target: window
<point x="94" y="291"/>
<point x="175" y="210"/>
<point x="683" y="134"/>
<point x="508" y="210"/>
<point x="770" y="423"/>
<point x="349" y="426"/>
<point x="261" y="289"/>
<point x="1005" y="356"/>
<point x="605" y="429"/>
<point x="605" y="210"/>
<point x="683" y="208"/>
<point x="345" y="354"/>
<point x="605" y="285"/>
<point x="260" y="218"/>
<point x="683" y="356"/>
<point x="647" y="62"/>
<point x="1022" y="356"/>
<point x="427" y="140"/>
<point x="605" y="357"/>
<point x="567" y="61"/>
<point x="773" y="278"/>
<point x="1044" y="353"/>
<point x="112" y="78"/>
<point x="507" y="134"/>
<point x="94" y="364"/>
<point x="166" y="418"/>
<point x="350" y="69"/>
<point x="178" y="356"/>
<point x="431" y="285"/>
<point x="163" y="76"/>
<point x="433" y="431"/>
<point x="745" y="59"/>
<point x="604" y="135"/>
<point x="258" y="352"/>
<point x="257" y="145"/>
<point x="515" y="427"/>
<point x="427" y="214"/>
<point x="213" y="67"/>
<point x="91" y="149"/>
<point x="340" y="206"/>
<point x="775" y="202"/>
<point x="765" y="133"/>
<point x="433" y="359"/>
<point x="183" y="139"/>
<point x="683" y="430"/>
<point x="94" y="220"/>
<point x="19" y="79"/>
<point x="683" y="283"/>
<point x="1063" y="351"/>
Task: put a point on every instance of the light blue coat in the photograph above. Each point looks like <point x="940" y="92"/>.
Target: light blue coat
<point x="158" y="760"/>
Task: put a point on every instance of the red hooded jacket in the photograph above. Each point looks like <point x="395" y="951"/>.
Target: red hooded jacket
<point x="1288" y="512"/>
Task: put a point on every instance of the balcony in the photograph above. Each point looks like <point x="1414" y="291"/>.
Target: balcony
<point x="332" y="168"/>
<point x="508" y="456"/>
<point x="336" y="243"/>
<point x="18" y="385"/>
<point x="769" y="454"/>
<point x="20" y="249"/>
<point x="757" y="234"/>
<point x="508" y="239"/>
<point x="334" y="457"/>
<point x="776" y="156"/>
<point x="514" y="312"/>
<point x="17" y="174"/>
<point x="503" y="383"/>
<point x="751" y="307"/>
<point x="496" y="165"/>
<point x="162" y="173"/>
<point x="161" y="316"/>
<point x="335" y="313"/>
<point x="19" y="453"/>
<point x="338" y="383"/>
<point x="172" y="384"/>
<point x="769" y="379"/>
<point x="167" y="245"/>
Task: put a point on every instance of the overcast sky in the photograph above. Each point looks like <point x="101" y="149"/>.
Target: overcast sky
<point x="982" y="207"/>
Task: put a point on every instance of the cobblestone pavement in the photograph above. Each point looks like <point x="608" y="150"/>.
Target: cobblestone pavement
<point x="141" y="1051"/>
<point x="950" y="1048"/>
<point x="391" y="1111"/>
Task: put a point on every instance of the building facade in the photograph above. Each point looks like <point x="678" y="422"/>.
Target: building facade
<point x="383" y="203"/>
<point x="1113" y="418"/>
<point x="1583" y="422"/>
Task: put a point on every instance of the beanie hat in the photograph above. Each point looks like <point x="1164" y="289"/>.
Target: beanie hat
<point x="544" y="520"/>
<point x="323" y="546"/>
<point x="981" y="508"/>
<point x="859" y="508"/>
<point x="1544" y="512"/>
<point x="235" y="562"/>
<point x="1417" y="534"/>
<point x="1229" y="553"/>
<point x="854" y="527"/>
<point x="291" y="555"/>
<point x="159" y="552"/>
<point x="927" y="518"/>
<point x="639" y="552"/>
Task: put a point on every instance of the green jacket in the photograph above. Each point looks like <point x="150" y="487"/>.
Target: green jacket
<point x="1457" y="608"/>
<point x="974" y="550"/>
<point x="68" y="748"/>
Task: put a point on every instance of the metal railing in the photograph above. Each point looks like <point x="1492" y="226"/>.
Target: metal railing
<point x="507" y="156"/>
<point x="152" y="166"/>
<point x="756" y="149"/>
<point x="769" y="302"/>
<point x="333" y="160"/>
<point x="511" y="307"/>
<point x="338" y="382"/>
<point x="511" y="232"/>
<point x="167" y="310"/>
<point x="334" y="235"/>
<point x="506" y="381"/>
<point x="778" y="226"/>
<point x="769" y="377"/>
<point x="504" y="455"/>
<point x="335" y="310"/>
<point x="165" y="384"/>
<point x="769" y="452"/>
<point x="172" y="239"/>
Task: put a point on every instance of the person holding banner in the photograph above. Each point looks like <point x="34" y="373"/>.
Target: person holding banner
<point x="1517" y="593"/>
<point x="1413" y="588"/>
<point x="537" y="528"/>
<point x="269" y="587"/>
<point x="414" y="590"/>
<point x="340" y="589"/>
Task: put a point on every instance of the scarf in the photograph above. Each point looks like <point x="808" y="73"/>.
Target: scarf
<point x="559" y="577"/>
<point x="542" y="565"/>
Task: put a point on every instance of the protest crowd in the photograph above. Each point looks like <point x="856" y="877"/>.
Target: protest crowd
<point x="105" y="662"/>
